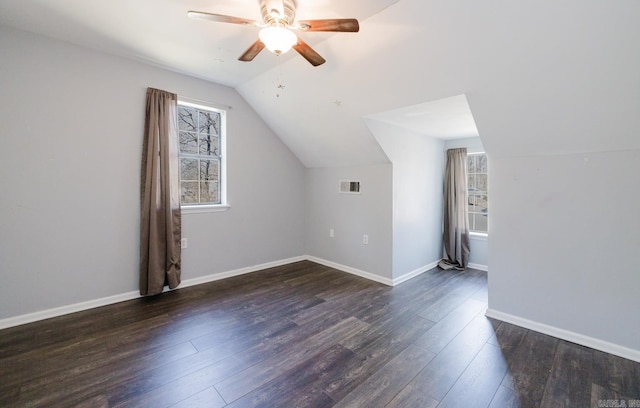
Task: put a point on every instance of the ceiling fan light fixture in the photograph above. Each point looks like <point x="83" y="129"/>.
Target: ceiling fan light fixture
<point x="278" y="40"/>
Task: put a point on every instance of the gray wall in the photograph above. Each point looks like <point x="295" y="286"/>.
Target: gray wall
<point x="351" y="216"/>
<point x="563" y="242"/>
<point x="71" y="123"/>
<point x="417" y="195"/>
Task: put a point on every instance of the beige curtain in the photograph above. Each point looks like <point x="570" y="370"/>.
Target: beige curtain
<point x="456" y="218"/>
<point x="160" y="221"/>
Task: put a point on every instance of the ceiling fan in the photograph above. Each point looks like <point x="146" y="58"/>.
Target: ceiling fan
<point x="278" y="19"/>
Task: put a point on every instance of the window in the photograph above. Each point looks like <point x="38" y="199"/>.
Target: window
<point x="201" y="139"/>
<point x="478" y="198"/>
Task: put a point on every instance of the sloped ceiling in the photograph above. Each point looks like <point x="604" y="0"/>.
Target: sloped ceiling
<point x="540" y="77"/>
<point x="446" y="118"/>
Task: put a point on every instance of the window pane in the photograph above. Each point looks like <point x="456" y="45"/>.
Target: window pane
<point x="189" y="192"/>
<point x="482" y="163"/>
<point x="478" y="200"/>
<point x="482" y="203"/>
<point x="472" y="164"/>
<point x="209" y="170"/>
<point x="200" y="155"/>
<point x="187" y="118"/>
<point x="188" y="143"/>
<point x="189" y="169"/>
<point x="209" y="123"/>
<point x="209" y="192"/>
<point x="472" y="202"/>
<point x="209" y="145"/>
<point x="481" y="182"/>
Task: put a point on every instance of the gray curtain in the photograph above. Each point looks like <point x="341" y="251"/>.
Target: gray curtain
<point x="456" y="218"/>
<point x="160" y="221"/>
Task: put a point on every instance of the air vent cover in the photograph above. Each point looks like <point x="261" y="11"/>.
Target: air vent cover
<point x="349" y="187"/>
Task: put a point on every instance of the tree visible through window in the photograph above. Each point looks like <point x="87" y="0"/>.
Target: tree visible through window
<point x="200" y="154"/>
<point x="478" y="198"/>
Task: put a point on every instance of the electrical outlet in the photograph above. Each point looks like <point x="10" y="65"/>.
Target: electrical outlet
<point x="183" y="243"/>
<point x="365" y="239"/>
<point x="331" y="233"/>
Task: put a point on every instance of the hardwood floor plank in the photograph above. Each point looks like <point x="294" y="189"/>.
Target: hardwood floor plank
<point x="479" y="382"/>
<point x="448" y="328"/>
<point x="148" y="380"/>
<point x="372" y="348"/>
<point x="42" y="363"/>
<point x="283" y="341"/>
<point x="569" y="384"/>
<point x="442" y="372"/>
<point x="602" y="396"/>
<point x="182" y="388"/>
<point x="617" y="374"/>
<point x="209" y="398"/>
<point x="246" y="381"/>
<point x="481" y="294"/>
<point x="508" y="337"/>
<point x="243" y="336"/>
<point x="99" y="401"/>
<point x="529" y="364"/>
<point x="507" y="398"/>
<point x="343" y="305"/>
<point x="162" y="334"/>
<point x="383" y="385"/>
<point x="304" y="375"/>
<point x="308" y="396"/>
<point x="412" y="397"/>
<point x="403" y="329"/>
<point x="79" y="383"/>
<point x="442" y="307"/>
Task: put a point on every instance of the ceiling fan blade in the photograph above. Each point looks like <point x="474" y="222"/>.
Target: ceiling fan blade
<point x="220" y="18"/>
<point x="337" y="24"/>
<point x="308" y="53"/>
<point x="252" y="51"/>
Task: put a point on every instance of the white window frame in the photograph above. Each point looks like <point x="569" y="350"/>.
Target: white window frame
<point x="192" y="208"/>
<point x="482" y="235"/>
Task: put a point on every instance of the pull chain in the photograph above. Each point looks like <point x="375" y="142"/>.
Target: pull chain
<point x="279" y="82"/>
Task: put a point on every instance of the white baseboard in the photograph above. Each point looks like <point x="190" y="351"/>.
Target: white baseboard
<point x="237" y="272"/>
<point x="414" y="273"/>
<point x="563" y="334"/>
<point x="63" y="310"/>
<point x="479" y="267"/>
<point x="348" y="269"/>
<point x="78" y="307"/>
<point x="371" y="276"/>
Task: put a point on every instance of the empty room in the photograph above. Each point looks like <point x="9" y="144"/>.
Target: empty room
<point x="288" y="203"/>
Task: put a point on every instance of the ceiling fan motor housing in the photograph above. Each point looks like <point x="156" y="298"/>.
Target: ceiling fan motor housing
<point x="279" y="13"/>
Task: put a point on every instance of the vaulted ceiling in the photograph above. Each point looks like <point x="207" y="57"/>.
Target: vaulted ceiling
<point x="540" y="77"/>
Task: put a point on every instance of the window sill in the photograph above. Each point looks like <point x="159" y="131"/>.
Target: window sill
<point x="479" y="236"/>
<point x="199" y="209"/>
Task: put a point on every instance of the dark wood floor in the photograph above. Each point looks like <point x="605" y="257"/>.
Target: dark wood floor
<point x="305" y="335"/>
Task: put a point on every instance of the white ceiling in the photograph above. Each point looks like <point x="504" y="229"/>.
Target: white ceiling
<point x="159" y="31"/>
<point x="544" y="76"/>
<point x="446" y="118"/>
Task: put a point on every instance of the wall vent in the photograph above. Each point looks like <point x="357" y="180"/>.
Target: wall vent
<point x="349" y="187"/>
